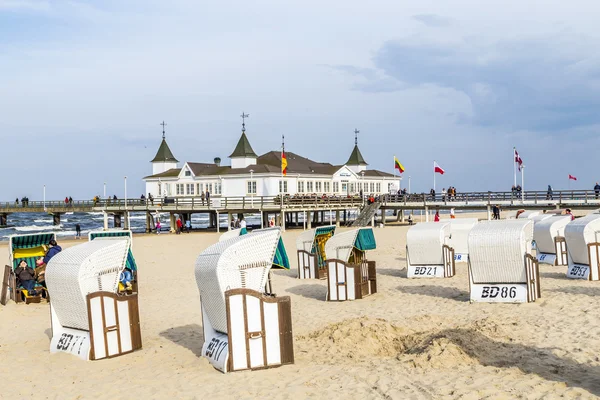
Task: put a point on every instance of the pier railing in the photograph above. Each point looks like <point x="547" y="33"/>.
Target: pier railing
<point x="569" y="197"/>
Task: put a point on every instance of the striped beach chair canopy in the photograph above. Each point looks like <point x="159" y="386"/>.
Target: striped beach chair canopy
<point x="314" y="240"/>
<point x="341" y="245"/>
<point x="579" y="233"/>
<point x="75" y="272"/>
<point x="131" y="264"/>
<point x="497" y="250"/>
<point x="424" y="242"/>
<point x="28" y="247"/>
<point x="546" y="230"/>
<point x="240" y="262"/>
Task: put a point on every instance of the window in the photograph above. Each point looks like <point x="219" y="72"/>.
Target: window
<point x="344" y="187"/>
<point x="309" y="187"/>
<point x="378" y="187"/>
<point x="318" y="187"/>
<point x="209" y="188"/>
<point x="352" y="188"/>
<point x="218" y="188"/>
<point x="190" y="189"/>
<point x="179" y="189"/>
<point x="188" y="172"/>
<point x="300" y="187"/>
<point x="284" y="188"/>
<point x="336" y="187"/>
<point x="159" y="187"/>
<point x="390" y="187"/>
<point x="372" y="187"/>
<point x="326" y="186"/>
<point x="167" y="189"/>
<point x="251" y="187"/>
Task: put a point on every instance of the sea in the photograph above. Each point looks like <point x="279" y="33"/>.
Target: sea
<point x="22" y="223"/>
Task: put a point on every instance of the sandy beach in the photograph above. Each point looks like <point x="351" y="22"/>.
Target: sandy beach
<point x="415" y="339"/>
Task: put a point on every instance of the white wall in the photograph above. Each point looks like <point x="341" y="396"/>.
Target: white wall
<point x="159" y="167"/>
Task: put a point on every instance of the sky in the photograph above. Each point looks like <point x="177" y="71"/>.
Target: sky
<point x="84" y="86"/>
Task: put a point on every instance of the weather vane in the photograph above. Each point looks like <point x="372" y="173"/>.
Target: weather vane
<point x="244" y="116"/>
<point x="356" y="132"/>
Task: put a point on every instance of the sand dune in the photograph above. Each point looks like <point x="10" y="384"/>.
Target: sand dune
<point x="415" y="339"/>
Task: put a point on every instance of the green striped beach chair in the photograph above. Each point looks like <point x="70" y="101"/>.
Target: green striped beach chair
<point x="28" y="247"/>
<point x="131" y="264"/>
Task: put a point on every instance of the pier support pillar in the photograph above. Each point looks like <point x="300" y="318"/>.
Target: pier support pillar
<point x="229" y="221"/>
<point x="489" y="212"/>
<point x="283" y="221"/>
<point x="217" y="223"/>
<point x="150" y="225"/>
<point x="56" y="219"/>
<point x="383" y="217"/>
<point x="345" y="217"/>
<point x="426" y="214"/>
<point x="262" y="219"/>
<point x="308" y="220"/>
<point x="401" y="212"/>
<point x="172" y="222"/>
<point x="117" y="220"/>
<point x="126" y="223"/>
<point x="337" y="218"/>
<point x="105" y="214"/>
<point x="3" y="218"/>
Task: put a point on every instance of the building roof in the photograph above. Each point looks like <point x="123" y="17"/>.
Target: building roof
<point x="356" y="157"/>
<point x="170" y="173"/>
<point x="164" y="153"/>
<point x="296" y="163"/>
<point x="243" y="148"/>
<point x="373" y="173"/>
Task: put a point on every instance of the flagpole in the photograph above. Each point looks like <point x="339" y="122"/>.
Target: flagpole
<point x="522" y="183"/>
<point x="434" y="175"/>
<point x="514" y="158"/>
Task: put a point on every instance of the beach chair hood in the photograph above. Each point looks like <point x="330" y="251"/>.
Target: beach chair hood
<point x="425" y="240"/>
<point x="341" y="244"/>
<point x="79" y="270"/>
<point x="497" y="250"/>
<point x="546" y="230"/>
<point x="459" y="234"/>
<point x="579" y="233"/>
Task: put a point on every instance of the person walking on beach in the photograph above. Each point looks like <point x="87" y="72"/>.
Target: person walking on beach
<point x="597" y="189"/>
<point x="436" y="218"/>
<point x="77" y="231"/>
<point x="158" y="226"/>
<point x="569" y="212"/>
<point x="188" y="226"/>
<point x="179" y="225"/>
<point x="495" y="212"/>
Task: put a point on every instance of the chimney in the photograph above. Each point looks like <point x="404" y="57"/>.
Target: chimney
<point x="218" y="161"/>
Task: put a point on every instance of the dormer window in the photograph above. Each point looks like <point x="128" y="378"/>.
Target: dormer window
<point x="188" y="173"/>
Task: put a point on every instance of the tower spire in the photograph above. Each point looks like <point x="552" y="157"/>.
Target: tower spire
<point x="356" y="132"/>
<point x="244" y="116"/>
<point x="163" y="125"/>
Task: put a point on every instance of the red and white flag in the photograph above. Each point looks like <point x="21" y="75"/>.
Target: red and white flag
<point x="437" y="168"/>
<point x="571" y="177"/>
<point x="518" y="159"/>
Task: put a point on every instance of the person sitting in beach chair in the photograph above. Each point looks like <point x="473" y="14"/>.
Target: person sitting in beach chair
<point x="125" y="279"/>
<point x="26" y="278"/>
<point x="52" y="251"/>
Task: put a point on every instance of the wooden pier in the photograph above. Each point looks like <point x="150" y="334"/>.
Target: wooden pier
<point x="288" y="210"/>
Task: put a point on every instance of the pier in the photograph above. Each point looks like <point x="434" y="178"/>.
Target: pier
<point x="313" y="208"/>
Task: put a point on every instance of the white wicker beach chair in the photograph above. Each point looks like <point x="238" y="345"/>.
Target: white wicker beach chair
<point x="89" y="319"/>
<point x="549" y="237"/>
<point x="501" y="267"/>
<point x="582" y="236"/>
<point x="529" y="214"/>
<point x="428" y="254"/>
<point x="311" y="252"/>
<point x="230" y="234"/>
<point x="350" y="276"/>
<point x="243" y="327"/>
<point x="459" y="235"/>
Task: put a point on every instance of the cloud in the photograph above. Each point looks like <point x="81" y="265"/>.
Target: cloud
<point x="369" y="80"/>
<point x="432" y="20"/>
<point x="20" y="5"/>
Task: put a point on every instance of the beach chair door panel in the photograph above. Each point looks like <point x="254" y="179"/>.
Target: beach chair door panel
<point x="111" y="323"/>
<point x="5" y="286"/>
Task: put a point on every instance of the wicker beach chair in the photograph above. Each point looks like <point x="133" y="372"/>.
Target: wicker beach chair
<point x="232" y="233"/>
<point x="549" y="237"/>
<point x="428" y="254"/>
<point x="311" y="252"/>
<point x="583" y="246"/>
<point x="350" y="276"/>
<point x="501" y="267"/>
<point x="90" y="318"/>
<point x="529" y="214"/>
<point x="244" y="328"/>
<point x="27" y="247"/>
<point x="459" y="235"/>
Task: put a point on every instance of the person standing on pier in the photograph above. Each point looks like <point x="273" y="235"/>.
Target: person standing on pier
<point x="202" y="197"/>
<point x="207" y="198"/>
<point x="597" y="189"/>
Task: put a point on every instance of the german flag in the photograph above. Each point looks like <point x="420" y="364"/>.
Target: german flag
<point x="283" y="163"/>
<point x="398" y="166"/>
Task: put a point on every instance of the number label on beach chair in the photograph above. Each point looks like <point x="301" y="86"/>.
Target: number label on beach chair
<point x="71" y="341"/>
<point x="499" y="293"/>
<point x="415" y="271"/>
<point x="217" y="351"/>
<point x="577" y="271"/>
<point x="547" y="258"/>
<point x="460" y="257"/>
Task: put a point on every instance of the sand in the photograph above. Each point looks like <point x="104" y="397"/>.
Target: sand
<point x="415" y="339"/>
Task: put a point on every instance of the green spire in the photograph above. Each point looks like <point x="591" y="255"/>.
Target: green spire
<point x="356" y="158"/>
<point x="243" y="148"/>
<point x="164" y="153"/>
